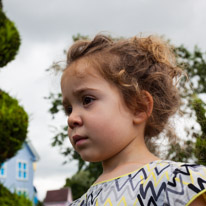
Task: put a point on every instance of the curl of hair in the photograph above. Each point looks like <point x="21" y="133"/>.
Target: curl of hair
<point x="136" y="65"/>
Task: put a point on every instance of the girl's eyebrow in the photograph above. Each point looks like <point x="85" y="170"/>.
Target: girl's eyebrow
<point x="80" y="91"/>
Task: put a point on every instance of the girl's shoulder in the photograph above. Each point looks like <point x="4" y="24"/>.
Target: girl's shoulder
<point x="159" y="182"/>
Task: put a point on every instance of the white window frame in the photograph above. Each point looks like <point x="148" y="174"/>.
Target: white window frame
<point x="5" y="170"/>
<point x="22" y="190"/>
<point x="22" y="170"/>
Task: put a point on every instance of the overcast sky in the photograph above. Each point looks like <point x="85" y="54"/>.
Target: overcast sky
<point x="46" y="28"/>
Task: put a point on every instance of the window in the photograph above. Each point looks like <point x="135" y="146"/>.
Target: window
<point x="3" y="170"/>
<point x="22" y="192"/>
<point x="22" y="170"/>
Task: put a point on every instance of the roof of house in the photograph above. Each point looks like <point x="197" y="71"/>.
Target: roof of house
<point x="33" y="151"/>
<point x="61" y="195"/>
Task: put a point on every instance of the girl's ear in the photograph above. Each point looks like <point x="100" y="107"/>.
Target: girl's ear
<point x="142" y="116"/>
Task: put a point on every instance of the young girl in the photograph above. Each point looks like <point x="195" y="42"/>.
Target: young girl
<point x="117" y="94"/>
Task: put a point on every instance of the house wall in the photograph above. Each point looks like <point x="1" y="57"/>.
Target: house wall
<point x="11" y="181"/>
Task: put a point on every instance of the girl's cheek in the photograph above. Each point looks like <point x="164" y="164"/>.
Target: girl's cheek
<point x="71" y="142"/>
<point x="69" y="135"/>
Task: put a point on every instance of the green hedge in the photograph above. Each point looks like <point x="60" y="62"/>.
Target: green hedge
<point x="11" y="199"/>
<point x="13" y="126"/>
<point x="9" y="40"/>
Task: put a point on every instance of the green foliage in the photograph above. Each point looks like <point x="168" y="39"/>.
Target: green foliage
<point x="200" y="152"/>
<point x="13" y="118"/>
<point x="82" y="180"/>
<point x="79" y="183"/>
<point x="56" y="100"/>
<point x="180" y="153"/>
<point x="9" y="40"/>
<point x="199" y="107"/>
<point x="195" y="64"/>
<point x="79" y="36"/>
<point x="13" y="126"/>
<point x="11" y="199"/>
<point x="40" y="203"/>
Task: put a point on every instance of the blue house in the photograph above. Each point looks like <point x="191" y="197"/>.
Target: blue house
<point x="17" y="173"/>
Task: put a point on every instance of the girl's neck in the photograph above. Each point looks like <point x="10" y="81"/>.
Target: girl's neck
<point x="126" y="162"/>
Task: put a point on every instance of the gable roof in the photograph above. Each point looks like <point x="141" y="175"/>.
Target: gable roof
<point x="32" y="150"/>
<point x="62" y="195"/>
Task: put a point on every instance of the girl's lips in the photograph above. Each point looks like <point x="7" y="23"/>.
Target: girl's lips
<point x="78" y="139"/>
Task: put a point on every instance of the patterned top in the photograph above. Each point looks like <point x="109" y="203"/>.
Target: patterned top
<point x="159" y="183"/>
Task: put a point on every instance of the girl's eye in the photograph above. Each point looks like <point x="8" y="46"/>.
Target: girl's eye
<point x="87" y="100"/>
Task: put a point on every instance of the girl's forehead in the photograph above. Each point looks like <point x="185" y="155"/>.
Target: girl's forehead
<point x="81" y="69"/>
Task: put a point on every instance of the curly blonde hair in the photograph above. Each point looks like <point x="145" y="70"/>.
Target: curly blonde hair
<point x="136" y="65"/>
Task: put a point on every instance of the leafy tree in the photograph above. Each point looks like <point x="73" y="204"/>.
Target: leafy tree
<point x="12" y="199"/>
<point x="13" y="126"/>
<point x="40" y="203"/>
<point x="79" y="183"/>
<point x="13" y="118"/>
<point x="9" y="39"/>
<point x="194" y="64"/>
<point x="200" y="151"/>
<point x="179" y="150"/>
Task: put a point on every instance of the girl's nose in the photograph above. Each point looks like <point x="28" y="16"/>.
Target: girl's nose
<point x="74" y="120"/>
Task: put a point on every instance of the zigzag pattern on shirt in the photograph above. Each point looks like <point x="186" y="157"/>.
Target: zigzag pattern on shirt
<point x="201" y="182"/>
<point x="189" y="169"/>
<point x="157" y="179"/>
<point x="92" y="198"/>
<point x="154" y="194"/>
<point x="166" y="183"/>
<point x="179" y="201"/>
<point x="129" y="185"/>
<point x="177" y="185"/>
<point x="130" y="180"/>
<point x="118" y="189"/>
<point x="178" y="171"/>
<point x="117" y="195"/>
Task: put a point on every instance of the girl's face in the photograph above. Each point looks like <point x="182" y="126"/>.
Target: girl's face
<point x="100" y="125"/>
